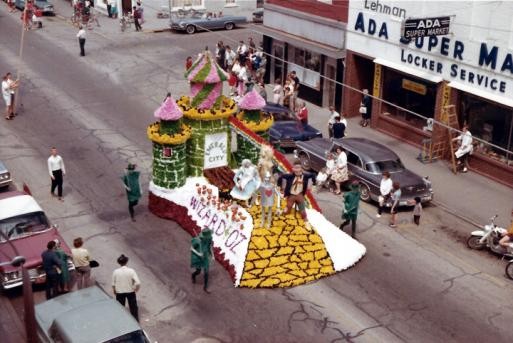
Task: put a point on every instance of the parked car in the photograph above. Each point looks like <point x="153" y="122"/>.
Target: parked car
<point x="25" y="224"/>
<point x="287" y="128"/>
<point x="197" y="21"/>
<point x="367" y="160"/>
<point x="5" y="176"/>
<point x="86" y="315"/>
<point x="258" y="16"/>
<point x="44" y="6"/>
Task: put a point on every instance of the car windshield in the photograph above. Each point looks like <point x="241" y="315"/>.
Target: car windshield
<point x="390" y="166"/>
<point x="23" y="225"/>
<point x="132" y="337"/>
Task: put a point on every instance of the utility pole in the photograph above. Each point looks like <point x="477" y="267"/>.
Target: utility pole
<point x="20" y="58"/>
<point x="28" y="296"/>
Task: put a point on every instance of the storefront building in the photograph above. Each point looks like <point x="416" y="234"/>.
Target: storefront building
<point x="471" y="67"/>
<point x="307" y="37"/>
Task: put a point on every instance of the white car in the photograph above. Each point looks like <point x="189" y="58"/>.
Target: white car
<point x="86" y="315"/>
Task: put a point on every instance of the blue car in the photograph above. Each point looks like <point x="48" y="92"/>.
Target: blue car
<point x="287" y="129"/>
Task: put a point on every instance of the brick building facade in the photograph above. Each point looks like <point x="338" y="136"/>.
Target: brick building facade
<point x="309" y="37"/>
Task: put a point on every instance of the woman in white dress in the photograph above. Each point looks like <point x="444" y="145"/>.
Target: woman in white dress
<point x="340" y="174"/>
<point x="246" y="181"/>
<point x="277" y="91"/>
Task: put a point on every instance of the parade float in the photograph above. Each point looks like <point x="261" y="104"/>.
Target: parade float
<point x="192" y="180"/>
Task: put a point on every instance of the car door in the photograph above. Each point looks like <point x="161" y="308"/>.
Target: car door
<point x="354" y="164"/>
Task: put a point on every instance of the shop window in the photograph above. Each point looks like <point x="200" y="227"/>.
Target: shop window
<point x="184" y="3"/>
<point x="411" y="93"/>
<point x="490" y="122"/>
<point x="307" y="65"/>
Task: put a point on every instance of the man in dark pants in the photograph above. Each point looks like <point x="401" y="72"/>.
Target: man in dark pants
<point x="52" y="267"/>
<point x="137" y="16"/>
<point x="351" y="202"/>
<point x="57" y="170"/>
<point x="81" y="35"/>
<point x="125" y="283"/>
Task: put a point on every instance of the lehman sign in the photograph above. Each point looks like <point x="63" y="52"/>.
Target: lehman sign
<point x="426" y="27"/>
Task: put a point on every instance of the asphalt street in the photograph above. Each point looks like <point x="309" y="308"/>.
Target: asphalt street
<point x="414" y="284"/>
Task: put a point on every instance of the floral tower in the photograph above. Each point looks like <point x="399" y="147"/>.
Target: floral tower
<point x="169" y="137"/>
<point x="252" y="117"/>
<point x="207" y="112"/>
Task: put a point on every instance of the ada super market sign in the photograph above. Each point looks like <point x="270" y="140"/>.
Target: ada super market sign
<point x="216" y="150"/>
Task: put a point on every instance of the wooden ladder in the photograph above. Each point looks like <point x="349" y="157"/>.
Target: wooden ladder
<point x="449" y="112"/>
<point x="438" y="147"/>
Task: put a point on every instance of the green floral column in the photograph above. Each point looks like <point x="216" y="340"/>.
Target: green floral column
<point x="169" y="171"/>
<point x="169" y="137"/>
<point x="253" y="119"/>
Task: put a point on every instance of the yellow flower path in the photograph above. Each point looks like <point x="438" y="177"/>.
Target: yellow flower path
<point x="285" y="255"/>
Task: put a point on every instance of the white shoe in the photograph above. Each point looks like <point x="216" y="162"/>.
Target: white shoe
<point x="378" y="215"/>
<point x="465" y="170"/>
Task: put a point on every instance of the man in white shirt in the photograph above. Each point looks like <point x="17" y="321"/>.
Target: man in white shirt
<point x="331" y="121"/>
<point x="125" y="283"/>
<point x="56" y="170"/>
<point x="385" y="187"/>
<point x="8" y="90"/>
<point x="465" y="148"/>
<point x="242" y="51"/>
<point x="81" y="35"/>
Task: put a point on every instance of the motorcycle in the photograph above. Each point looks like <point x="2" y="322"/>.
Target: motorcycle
<point x="489" y="237"/>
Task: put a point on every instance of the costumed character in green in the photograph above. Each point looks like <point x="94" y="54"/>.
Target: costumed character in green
<point x="133" y="188"/>
<point x="350" y="210"/>
<point x="65" y="278"/>
<point x="201" y="254"/>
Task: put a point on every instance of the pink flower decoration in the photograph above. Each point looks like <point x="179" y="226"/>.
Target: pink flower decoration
<point x="252" y="101"/>
<point x="215" y="74"/>
<point x="212" y="97"/>
<point x="169" y="110"/>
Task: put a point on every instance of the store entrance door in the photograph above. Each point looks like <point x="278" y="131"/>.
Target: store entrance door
<point x="329" y="86"/>
<point x="277" y="68"/>
<point x="126" y="6"/>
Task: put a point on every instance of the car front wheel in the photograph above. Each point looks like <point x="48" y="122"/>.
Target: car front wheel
<point x="190" y="29"/>
<point x="365" y="194"/>
<point x="305" y="162"/>
<point x="229" y="26"/>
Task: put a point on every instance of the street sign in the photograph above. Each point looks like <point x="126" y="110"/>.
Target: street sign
<point x="426" y="27"/>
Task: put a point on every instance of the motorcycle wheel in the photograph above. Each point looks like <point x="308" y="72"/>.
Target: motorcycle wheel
<point x="509" y="270"/>
<point x="473" y="243"/>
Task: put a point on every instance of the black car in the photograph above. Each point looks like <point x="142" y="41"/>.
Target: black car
<point x="287" y="128"/>
<point x="367" y="160"/>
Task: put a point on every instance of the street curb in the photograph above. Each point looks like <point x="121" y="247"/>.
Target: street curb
<point x="157" y="30"/>
<point x="459" y="216"/>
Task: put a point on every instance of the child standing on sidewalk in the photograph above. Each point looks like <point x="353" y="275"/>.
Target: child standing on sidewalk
<point x="417" y="211"/>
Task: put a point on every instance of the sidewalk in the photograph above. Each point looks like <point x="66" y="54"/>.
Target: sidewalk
<point x="469" y="195"/>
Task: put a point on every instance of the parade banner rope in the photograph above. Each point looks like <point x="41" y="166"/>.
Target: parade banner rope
<point x="278" y="158"/>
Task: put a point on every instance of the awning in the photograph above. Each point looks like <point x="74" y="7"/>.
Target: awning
<point x="408" y="70"/>
<point x="480" y="93"/>
<point x="301" y="42"/>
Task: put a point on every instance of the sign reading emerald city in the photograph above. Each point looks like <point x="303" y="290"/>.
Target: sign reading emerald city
<point x="216" y="150"/>
<point x="459" y="58"/>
